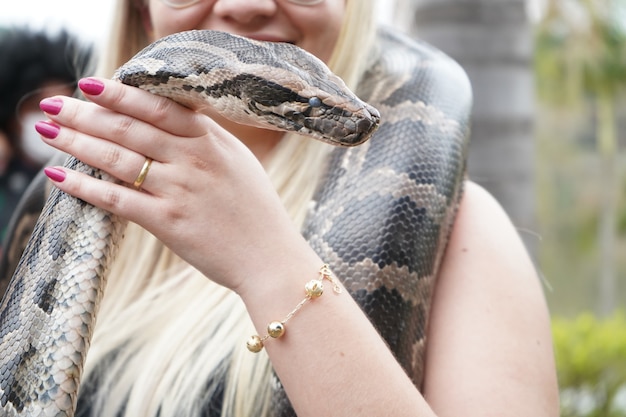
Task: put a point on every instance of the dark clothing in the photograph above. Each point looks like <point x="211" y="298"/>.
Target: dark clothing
<point x="13" y="183"/>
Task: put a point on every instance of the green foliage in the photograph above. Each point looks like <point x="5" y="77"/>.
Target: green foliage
<point x="580" y="48"/>
<point x="591" y="364"/>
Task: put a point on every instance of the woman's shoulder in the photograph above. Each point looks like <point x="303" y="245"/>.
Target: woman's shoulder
<point x="480" y="203"/>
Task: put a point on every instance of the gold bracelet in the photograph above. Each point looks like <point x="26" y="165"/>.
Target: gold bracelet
<point x="313" y="289"/>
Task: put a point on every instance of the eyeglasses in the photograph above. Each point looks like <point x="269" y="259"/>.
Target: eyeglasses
<point x="180" y="4"/>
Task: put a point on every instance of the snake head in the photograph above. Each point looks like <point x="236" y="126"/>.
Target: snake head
<point x="326" y="111"/>
<point x="266" y="84"/>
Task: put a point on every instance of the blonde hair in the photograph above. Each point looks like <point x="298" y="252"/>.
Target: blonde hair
<point x="167" y="337"/>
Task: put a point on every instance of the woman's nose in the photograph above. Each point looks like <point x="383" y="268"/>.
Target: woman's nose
<point x="244" y="11"/>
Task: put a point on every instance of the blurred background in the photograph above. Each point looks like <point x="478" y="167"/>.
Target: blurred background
<point x="549" y="79"/>
<point x="549" y="139"/>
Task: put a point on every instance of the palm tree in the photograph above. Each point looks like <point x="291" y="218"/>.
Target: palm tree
<point x="492" y="40"/>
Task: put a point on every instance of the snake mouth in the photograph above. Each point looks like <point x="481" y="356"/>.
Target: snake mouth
<point x="354" y="128"/>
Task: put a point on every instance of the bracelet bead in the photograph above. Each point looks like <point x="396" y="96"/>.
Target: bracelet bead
<point x="314" y="288"/>
<point x="255" y="344"/>
<point x="276" y="329"/>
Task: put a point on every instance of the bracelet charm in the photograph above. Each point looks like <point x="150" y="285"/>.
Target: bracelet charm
<point x="312" y="289"/>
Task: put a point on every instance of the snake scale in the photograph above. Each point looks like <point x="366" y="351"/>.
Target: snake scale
<point x="381" y="216"/>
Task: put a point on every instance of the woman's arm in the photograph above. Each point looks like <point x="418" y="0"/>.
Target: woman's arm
<point x="489" y="342"/>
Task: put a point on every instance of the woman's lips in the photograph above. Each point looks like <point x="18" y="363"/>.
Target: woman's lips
<point x="268" y="38"/>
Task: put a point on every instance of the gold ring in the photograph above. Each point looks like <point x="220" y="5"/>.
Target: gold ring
<point x="142" y="174"/>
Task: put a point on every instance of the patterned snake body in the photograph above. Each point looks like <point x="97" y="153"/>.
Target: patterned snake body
<point x="382" y="214"/>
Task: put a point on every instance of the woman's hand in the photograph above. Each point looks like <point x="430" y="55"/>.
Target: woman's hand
<point x="205" y="195"/>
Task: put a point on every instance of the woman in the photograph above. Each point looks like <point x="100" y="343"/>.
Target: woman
<point x="169" y="340"/>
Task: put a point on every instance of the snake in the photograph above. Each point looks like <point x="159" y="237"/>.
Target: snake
<point x="381" y="216"/>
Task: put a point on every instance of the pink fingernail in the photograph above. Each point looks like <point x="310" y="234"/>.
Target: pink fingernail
<point x="55" y="174"/>
<point x="91" y="86"/>
<point x="47" y="129"/>
<point x="51" y="105"/>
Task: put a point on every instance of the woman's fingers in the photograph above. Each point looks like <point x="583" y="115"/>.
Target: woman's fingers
<point x="115" y="198"/>
<point x="91" y="120"/>
<point x="110" y="157"/>
<point x="122" y="127"/>
<point x="146" y="126"/>
<point x="157" y="111"/>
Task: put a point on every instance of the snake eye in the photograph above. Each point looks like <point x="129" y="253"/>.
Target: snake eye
<point x="315" y="102"/>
